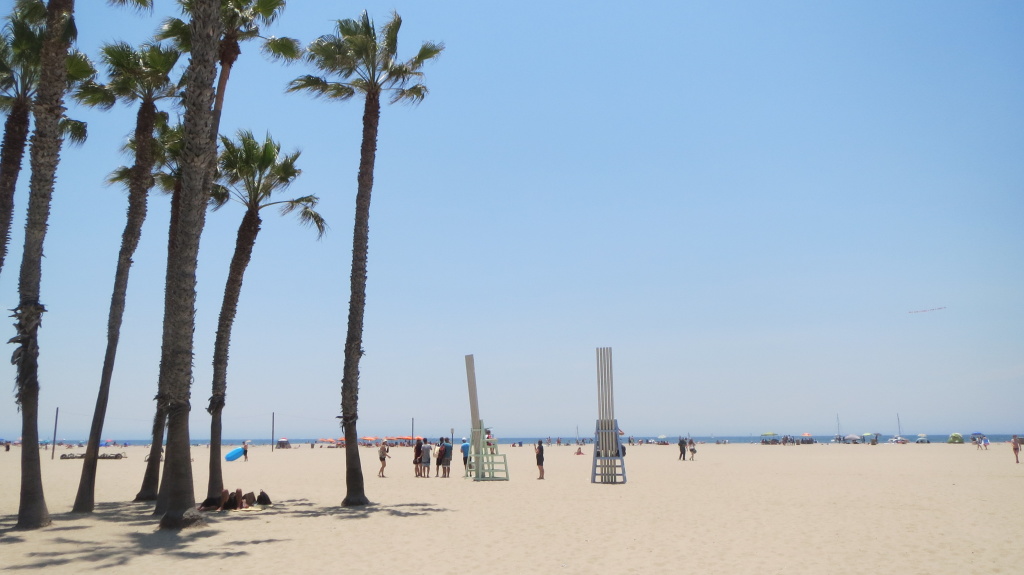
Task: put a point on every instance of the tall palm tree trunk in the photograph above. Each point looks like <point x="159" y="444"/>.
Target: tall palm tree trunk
<point x="355" y="492"/>
<point x="198" y="157"/>
<point x="244" y="242"/>
<point x="141" y="182"/>
<point x="44" y="157"/>
<point x="151" y="478"/>
<point x="11" y="154"/>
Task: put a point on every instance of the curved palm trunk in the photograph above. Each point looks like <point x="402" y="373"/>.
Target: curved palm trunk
<point x="44" y="157"/>
<point x="11" y="154"/>
<point x="177" y="496"/>
<point x="355" y="492"/>
<point x="228" y="55"/>
<point x="151" y="479"/>
<point x="246" y="239"/>
<point x="141" y="182"/>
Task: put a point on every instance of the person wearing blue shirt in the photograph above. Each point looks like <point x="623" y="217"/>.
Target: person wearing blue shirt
<point x="465" y="454"/>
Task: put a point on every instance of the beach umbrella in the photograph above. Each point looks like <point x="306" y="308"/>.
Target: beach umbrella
<point x="368" y="438"/>
<point x="769" y="434"/>
<point x="922" y="435"/>
<point x="661" y="437"/>
<point x="805" y="434"/>
<point x="852" y="437"/>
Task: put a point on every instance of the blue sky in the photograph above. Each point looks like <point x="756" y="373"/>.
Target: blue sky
<point x="743" y="199"/>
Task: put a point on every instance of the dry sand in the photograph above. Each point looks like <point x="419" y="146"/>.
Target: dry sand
<point x="807" y="509"/>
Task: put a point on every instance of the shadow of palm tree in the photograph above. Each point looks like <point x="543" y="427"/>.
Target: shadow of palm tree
<point x="304" y="508"/>
<point x="86" y="553"/>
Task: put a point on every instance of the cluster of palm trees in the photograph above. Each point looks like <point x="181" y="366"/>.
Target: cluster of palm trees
<point x="39" y="68"/>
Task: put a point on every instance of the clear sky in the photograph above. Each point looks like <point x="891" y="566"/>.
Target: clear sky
<point x="743" y="199"/>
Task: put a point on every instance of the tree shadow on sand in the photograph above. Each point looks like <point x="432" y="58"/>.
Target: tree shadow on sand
<point x="305" y="508"/>
<point x="69" y="540"/>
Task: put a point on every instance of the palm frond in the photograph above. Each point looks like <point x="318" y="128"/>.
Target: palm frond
<point x="321" y="88"/>
<point x="219" y="196"/>
<point x="178" y="32"/>
<point x="79" y="67"/>
<point x="139" y="5"/>
<point x="286" y="50"/>
<point x="76" y="131"/>
<point x="95" y="95"/>
<point x="411" y="95"/>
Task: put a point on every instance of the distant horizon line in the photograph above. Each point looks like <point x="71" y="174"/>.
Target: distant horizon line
<point x="228" y="441"/>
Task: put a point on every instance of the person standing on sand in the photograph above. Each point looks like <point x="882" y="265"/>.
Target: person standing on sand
<point x="693" y="449"/>
<point x="439" y="457"/>
<point x="245" y="451"/>
<point x="446" y="463"/>
<point x="382" y="452"/>
<point x="1015" y="444"/>
<point x="417" y="457"/>
<point x="682" y="449"/>
<point x="425" y="459"/>
<point x="539" y="450"/>
<point x="465" y="454"/>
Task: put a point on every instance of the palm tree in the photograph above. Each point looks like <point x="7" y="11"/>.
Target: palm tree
<point x="20" y="43"/>
<point x="43" y="159"/>
<point x="241" y="21"/>
<point x="135" y="75"/>
<point x="365" y="64"/>
<point x="168" y="179"/>
<point x="176" y="502"/>
<point x="251" y="172"/>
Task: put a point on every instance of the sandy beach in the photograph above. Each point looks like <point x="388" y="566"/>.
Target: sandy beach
<point x="740" y="508"/>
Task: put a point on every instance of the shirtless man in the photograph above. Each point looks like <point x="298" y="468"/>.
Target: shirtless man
<point x="1015" y="444"/>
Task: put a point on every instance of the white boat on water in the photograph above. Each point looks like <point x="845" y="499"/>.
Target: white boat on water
<point x="898" y="438"/>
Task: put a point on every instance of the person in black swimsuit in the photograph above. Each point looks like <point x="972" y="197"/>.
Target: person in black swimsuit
<point x="540" y="457"/>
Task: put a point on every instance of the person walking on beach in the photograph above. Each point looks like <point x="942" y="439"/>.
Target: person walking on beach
<point x="382" y="452"/>
<point x="465" y="454"/>
<point x="539" y="450"/>
<point x="245" y="451"/>
<point x="682" y="449"/>
<point x="1015" y="444"/>
<point x="693" y="449"/>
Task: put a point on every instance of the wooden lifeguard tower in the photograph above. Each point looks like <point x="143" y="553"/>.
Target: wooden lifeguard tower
<point x="609" y="464"/>
<point x="485" y="463"/>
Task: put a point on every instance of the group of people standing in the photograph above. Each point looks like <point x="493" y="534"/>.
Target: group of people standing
<point x="441" y="452"/>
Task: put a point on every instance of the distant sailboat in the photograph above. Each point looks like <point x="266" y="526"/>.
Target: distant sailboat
<point x="899" y="432"/>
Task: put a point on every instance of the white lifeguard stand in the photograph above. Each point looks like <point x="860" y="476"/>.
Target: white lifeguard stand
<point x="609" y="464"/>
<point x="485" y="463"/>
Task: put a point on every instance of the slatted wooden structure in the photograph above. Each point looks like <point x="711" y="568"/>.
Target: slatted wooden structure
<point x="609" y="464"/>
<point x="485" y="463"/>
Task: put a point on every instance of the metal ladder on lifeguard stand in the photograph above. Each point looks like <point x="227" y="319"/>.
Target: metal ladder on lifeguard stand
<point x="485" y="463"/>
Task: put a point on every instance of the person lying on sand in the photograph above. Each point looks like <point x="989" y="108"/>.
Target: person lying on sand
<point x="229" y="501"/>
